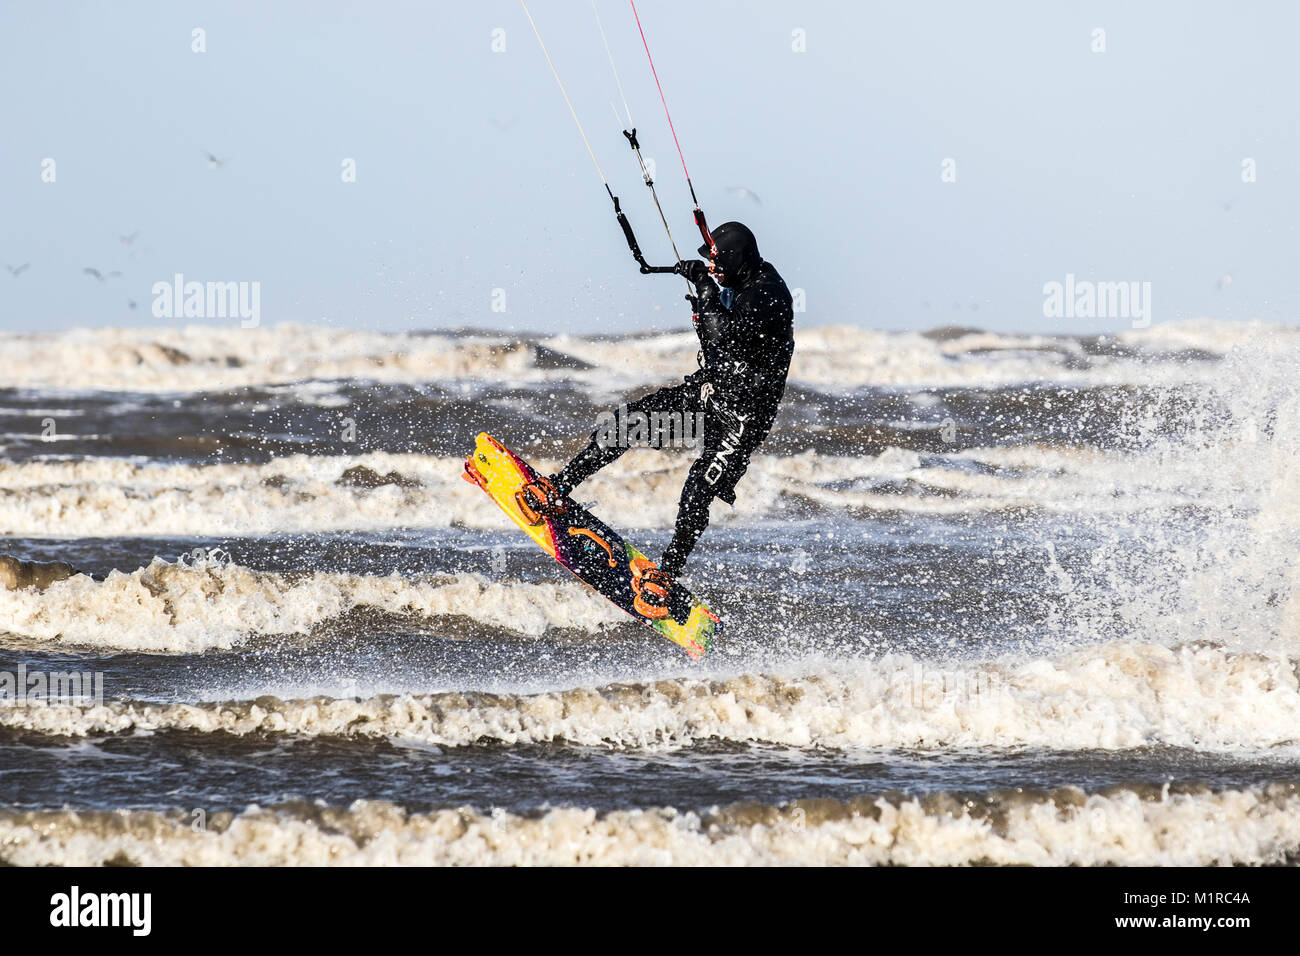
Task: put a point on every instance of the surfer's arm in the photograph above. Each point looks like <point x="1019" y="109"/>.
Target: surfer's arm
<point x="707" y="306"/>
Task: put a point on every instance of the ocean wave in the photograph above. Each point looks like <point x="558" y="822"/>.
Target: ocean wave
<point x="182" y="608"/>
<point x="199" y="358"/>
<point x="99" y="497"/>
<point x="1111" y="696"/>
<point x="844" y="356"/>
<point x="207" y="357"/>
<point x="1168" y="826"/>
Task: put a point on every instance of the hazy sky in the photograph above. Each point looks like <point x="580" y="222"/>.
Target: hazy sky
<point x="1124" y="165"/>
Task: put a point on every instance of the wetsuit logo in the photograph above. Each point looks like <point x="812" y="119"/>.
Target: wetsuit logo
<point x="729" y="445"/>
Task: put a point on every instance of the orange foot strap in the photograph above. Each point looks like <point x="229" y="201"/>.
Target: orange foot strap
<point x="531" y="516"/>
<point x="542" y="490"/>
<point x="587" y="532"/>
<point x="650" y="589"/>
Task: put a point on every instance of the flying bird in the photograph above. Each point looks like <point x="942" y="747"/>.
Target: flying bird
<point x="1224" y="281"/>
<point x="99" y="276"/>
<point x="17" y="271"/>
<point x="744" y="193"/>
<point x="213" y="161"/>
<point x="127" y="240"/>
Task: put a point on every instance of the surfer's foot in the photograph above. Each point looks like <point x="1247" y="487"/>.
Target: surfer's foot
<point x="679" y="603"/>
<point x="540" y="499"/>
<point x="652" y="588"/>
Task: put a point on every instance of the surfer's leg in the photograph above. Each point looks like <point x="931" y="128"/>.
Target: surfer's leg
<point x="692" y="516"/>
<point x="729" y="439"/>
<point x="613" y="435"/>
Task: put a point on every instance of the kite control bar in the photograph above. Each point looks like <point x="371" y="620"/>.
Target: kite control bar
<point x="646" y="268"/>
<point x="624" y="224"/>
<point x="632" y="244"/>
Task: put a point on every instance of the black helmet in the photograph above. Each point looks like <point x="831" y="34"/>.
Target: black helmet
<point x="737" y="259"/>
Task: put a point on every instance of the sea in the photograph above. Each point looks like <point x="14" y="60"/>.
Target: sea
<point x="989" y="598"/>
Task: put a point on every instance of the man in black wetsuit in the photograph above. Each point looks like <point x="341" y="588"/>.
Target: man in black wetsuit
<point x="745" y="322"/>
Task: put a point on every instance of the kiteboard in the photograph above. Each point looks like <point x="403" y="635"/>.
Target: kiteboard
<point x="595" y="554"/>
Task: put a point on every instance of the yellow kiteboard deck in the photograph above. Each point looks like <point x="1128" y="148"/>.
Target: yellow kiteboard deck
<point x="584" y="544"/>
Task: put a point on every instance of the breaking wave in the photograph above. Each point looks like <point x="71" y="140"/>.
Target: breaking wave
<point x="199" y="358"/>
<point x="181" y="608"/>
<point x="1110" y="696"/>
<point x="103" y="497"/>
<point x="1185" y="825"/>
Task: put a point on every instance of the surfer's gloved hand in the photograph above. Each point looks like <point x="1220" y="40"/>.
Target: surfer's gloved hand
<point x="696" y="272"/>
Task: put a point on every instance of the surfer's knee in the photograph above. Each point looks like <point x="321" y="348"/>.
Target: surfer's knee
<point x="698" y="492"/>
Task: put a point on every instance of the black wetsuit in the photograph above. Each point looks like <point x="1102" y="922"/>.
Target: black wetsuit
<point x="746" y="331"/>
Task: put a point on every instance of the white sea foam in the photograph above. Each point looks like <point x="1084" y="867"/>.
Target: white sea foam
<point x="837" y="357"/>
<point x="297" y="494"/>
<point x="200" y="357"/>
<point x="177" y="608"/>
<point x="1184" y="827"/>
<point x="1111" y="696"/>
<point x="194" y="358"/>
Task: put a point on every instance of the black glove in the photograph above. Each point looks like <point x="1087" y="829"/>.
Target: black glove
<point x="695" y="270"/>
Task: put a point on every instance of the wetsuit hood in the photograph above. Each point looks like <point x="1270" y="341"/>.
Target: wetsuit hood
<point x="738" y="259"/>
